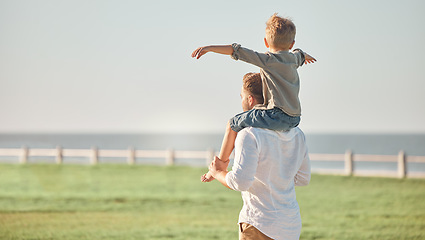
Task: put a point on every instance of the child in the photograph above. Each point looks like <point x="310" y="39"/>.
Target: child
<point x="281" y="109"/>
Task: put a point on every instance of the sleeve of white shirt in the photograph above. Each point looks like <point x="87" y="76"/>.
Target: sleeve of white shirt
<point x="303" y="176"/>
<point x="245" y="163"/>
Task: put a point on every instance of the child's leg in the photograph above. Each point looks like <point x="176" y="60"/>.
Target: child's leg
<point x="228" y="143"/>
<point x="226" y="149"/>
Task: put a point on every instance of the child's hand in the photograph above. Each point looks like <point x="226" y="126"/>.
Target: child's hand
<point x="199" y="52"/>
<point x="308" y="58"/>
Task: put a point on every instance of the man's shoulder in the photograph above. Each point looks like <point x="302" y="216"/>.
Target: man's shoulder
<point x="254" y="130"/>
<point x="267" y="132"/>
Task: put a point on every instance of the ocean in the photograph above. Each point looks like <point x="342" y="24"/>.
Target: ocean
<point x="386" y="144"/>
<point x="380" y="144"/>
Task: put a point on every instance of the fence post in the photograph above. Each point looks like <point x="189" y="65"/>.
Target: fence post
<point x="24" y="156"/>
<point x="401" y="164"/>
<point x="94" y="156"/>
<point x="170" y="157"/>
<point x="210" y="156"/>
<point x="131" y="156"/>
<point x="59" y="157"/>
<point x="349" y="163"/>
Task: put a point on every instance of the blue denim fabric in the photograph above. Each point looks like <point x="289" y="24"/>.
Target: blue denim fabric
<point x="273" y="119"/>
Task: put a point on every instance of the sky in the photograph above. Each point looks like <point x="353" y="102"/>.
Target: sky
<point x="102" y="66"/>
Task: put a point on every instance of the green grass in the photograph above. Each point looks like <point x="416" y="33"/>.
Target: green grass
<point x="153" y="202"/>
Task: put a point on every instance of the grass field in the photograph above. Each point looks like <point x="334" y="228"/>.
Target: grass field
<point x="153" y="202"/>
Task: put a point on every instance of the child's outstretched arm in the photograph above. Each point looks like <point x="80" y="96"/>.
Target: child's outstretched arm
<point x="221" y="49"/>
<point x="308" y="58"/>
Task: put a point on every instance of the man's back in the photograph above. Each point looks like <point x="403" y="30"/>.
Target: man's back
<point x="268" y="164"/>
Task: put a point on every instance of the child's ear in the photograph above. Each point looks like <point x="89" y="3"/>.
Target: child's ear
<point x="266" y="43"/>
<point x="292" y="45"/>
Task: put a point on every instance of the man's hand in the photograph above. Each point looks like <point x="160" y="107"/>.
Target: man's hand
<point x="207" y="177"/>
<point x="218" y="166"/>
<point x="308" y="58"/>
<point x="218" y="170"/>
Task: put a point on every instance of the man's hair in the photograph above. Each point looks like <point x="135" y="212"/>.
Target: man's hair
<point x="253" y="84"/>
<point x="280" y="32"/>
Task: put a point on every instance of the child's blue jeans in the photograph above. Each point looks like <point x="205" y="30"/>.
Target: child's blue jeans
<point x="273" y="119"/>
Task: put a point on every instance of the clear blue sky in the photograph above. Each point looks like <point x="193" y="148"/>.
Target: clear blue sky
<point x="125" y="66"/>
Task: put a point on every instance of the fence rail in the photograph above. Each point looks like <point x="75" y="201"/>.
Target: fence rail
<point x="349" y="159"/>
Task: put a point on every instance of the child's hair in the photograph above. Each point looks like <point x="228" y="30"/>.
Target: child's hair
<point x="280" y="32"/>
<point x="253" y="84"/>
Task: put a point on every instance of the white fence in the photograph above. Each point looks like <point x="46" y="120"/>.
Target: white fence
<point x="94" y="154"/>
<point x="349" y="159"/>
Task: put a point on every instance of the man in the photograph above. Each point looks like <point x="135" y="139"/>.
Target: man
<point x="267" y="167"/>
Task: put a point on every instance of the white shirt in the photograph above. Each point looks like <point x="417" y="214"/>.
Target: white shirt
<point x="267" y="167"/>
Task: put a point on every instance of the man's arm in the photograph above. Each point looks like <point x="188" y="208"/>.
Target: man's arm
<point x="244" y="167"/>
<point x="218" y="170"/>
<point x="303" y="176"/>
<point x="221" y="49"/>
